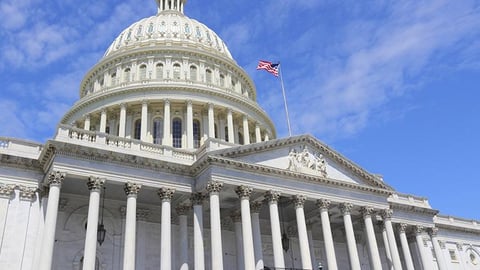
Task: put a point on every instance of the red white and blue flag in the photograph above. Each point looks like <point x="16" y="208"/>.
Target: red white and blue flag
<point x="269" y="67"/>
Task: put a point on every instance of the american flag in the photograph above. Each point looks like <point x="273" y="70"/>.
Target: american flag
<point x="269" y="67"/>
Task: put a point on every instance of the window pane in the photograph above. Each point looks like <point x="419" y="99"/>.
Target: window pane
<point x="196" y="133"/>
<point x="138" y="128"/>
<point x="177" y="132"/>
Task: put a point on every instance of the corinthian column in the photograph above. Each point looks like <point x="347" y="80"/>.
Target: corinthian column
<point x="244" y="193"/>
<point x="387" y="219"/>
<point x="94" y="184"/>
<point x="257" y="235"/>
<point x="299" y="201"/>
<point x="214" y="188"/>
<point x="131" y="190"/>
<point x="350" y="234"/>
<point x="237" y="224"/>
<point x="166" y="195"/>
<point x="6" y="192"/>
<point x="272" y="197"/>
<point x="144" y="121"/>
<point x="231" y="135"/>
<point x="198" y="251"/>
<point x="182" y="218"/>
<point x="372" y="241"/>
<point x="55" y="180"/>
<point x="426" y="263"/>
<point x="211" y="121"/>
<point x="327" y="234"/>
<point x="246" y="131"/>
<point x="189" y="124"/>
<point x="442" y="265"/>
<point x="166" y="124"/>
<point x="406" y="250"/>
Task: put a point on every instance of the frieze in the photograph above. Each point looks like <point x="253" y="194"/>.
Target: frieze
<point x="20" y="162"/>
<point x="306" y="162"/>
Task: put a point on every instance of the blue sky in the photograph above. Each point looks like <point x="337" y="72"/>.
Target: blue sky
<point x="393" y="85"/>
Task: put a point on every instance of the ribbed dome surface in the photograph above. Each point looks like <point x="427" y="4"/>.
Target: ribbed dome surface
<point x="169" y="27"/>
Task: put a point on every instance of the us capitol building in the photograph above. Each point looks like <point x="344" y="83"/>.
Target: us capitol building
<point x="167" y="162"/>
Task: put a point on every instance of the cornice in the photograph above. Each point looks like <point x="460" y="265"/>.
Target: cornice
<point x="308" y="139"/>
<point x="412" y="208"/>
<point x="266" y="170"/>
<point x="20" y="162"/>
<point x="80" y="152"/>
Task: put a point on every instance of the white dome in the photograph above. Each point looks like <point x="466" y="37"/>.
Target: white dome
<point x="169" y="27"/>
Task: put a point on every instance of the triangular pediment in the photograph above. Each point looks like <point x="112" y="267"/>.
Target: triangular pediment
<point x="306" y="155"/>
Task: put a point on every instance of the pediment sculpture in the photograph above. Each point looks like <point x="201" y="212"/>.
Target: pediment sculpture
<point x="307" y="162"/>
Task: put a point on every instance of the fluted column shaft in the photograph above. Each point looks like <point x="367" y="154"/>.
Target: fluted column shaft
<point x="442" y="265"/>
<point x="237" y="224"/>
<point x="272" y="197"/>
<point x="211" y="121"/>
<point x="387" y="214"/>
<point x="258" y="135"/>
<point x="350" y="235"/>
<point x="198" y="250"/>
<point x="189" y="124"/>
<point x="131" y="190"/>
<point x="246" y="131"/>
<point x="327" y="234"/>
<point x="406" y="250"/>
<point x="214" y="188"/>
<point x="86" y="124"/>
<point x="123" y="120"/>
<point x="231" y="134"/>
<point x="426" y="263"/>
<point x="166" y="195"/>
<point x="299" y="201"/>
<point x="90" y="252"/>
<point x="257" y="235"/>
<point x="103" y="120"/>
<point x="375" y="261"/>
<point x="55" y="181"/>
<point x="244" y="193"/>
<point x="144" y="121"/>
<point x="182" y="219"/>
<point x="388" y="253"/>
<point x="166" y="124"/>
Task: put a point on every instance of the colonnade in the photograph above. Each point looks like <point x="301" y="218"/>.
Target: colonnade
<point x="186" y="127"/>
<point x="247" y="230"/>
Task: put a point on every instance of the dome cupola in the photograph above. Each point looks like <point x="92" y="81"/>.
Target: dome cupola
<point x="168" y="81"/>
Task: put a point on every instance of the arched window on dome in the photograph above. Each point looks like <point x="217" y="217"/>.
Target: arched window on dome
<point x="157" y="130"/>
<point x="196" y="133"/>
<point x="176" y="71"/>
<point x="222" y="80"/>
<point x="126" y="75"/>
<point x="177" y="132"/>
<point x="193" y="73"/>
<point x="208" y="76"/>
<point x="240" y="138"/>
<point x="226" y="134"/>
<point x="113" y="79"/>
<point x="215" y="130"/>
<point x="159" y="71"/>
<point x="142" y="72"/>
<point x="137" y="129"/>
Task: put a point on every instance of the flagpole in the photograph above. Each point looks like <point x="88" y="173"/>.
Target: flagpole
<point x="285" y="100"/>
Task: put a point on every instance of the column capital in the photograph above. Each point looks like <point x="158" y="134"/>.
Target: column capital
<point x="272" y="196"/>
<point x="165" y="194"/>
<point x="132" y="189"/>
<point x="387" y="213"/>
<point x="402" y="227"/>
<point x="144" y="102"/>
<point x="367" y="211"/>
<point x="182" y="210"/>
<point x="323" y="204"/>
<point x="255" y="207"/>
<point x="460" y="246"/>
<point x="214" y="186"/>
<point x="197" y="198"/>
<point x="244" y="192"/>
<point x="189" y="102"/>
<point x="345" y="208"/>
<point x="27" y="193"/>
<point x="6" y="190"/>
<point x="123" y="105"/>
<point x="419" y="229"/>
<point x="210" y="105"/>
<point x="299" y="200"/>
<point x="433" y="231"/>
<point x="56" y="178"/>
<point x="166" y="101"/>
<point x="95" y="183"/>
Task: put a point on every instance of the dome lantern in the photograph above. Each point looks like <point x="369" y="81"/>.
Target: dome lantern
<point x="176" y="5"/>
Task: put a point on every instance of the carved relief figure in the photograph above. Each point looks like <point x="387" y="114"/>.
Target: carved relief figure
<point x="305" y="161"/>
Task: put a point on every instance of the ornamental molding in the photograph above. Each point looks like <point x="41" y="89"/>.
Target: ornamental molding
<point x="415" y="209"/>
<point x="299" y="200"/>
<point x="346" y="208"/>
<point x="249" y="167"/>
<point x="367" y="211"/>
<point x="132" y="189"/>
<point x="323" y="204"/>
<point x="27" y="193"/>
<point x="244" y="192"/>
<point x="312" y="143"/>
<point x="214" y="186"/>
<point x="6" y="191"/>
<point x="56" y="178"/>
<point x="166" y="194"/>
<point x="95" y="183"/>
<point x="272" y="196"/>
<point x="20" y="162"/>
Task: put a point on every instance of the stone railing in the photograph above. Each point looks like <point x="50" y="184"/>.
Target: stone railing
<point x="21" y="148"/>
<point x="105" y="141"/>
